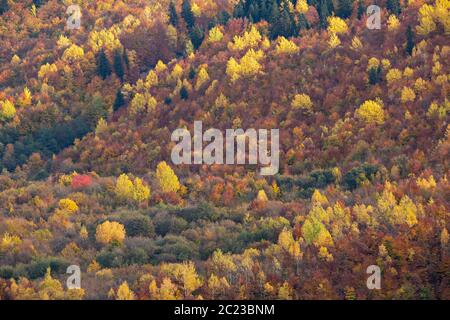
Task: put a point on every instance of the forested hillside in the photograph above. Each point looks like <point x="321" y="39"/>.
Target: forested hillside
<point x="86" y="117"/>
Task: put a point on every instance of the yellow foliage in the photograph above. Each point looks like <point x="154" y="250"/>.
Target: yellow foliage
<point x="177" y="72"/>
<point x="439" y="111"/>
<point x="408" y="95"/>
<point x="63" y="42"/>
<point x="336" y="25"/>
<point x="127" y="190"/>
<point x="247" y="67"/>
<point x="7" y="110"/>
<point x="302" y="101"/>
<point x="215" y="35"/>
<point x="250" y="39"/>
<point x="109" y="232"/>
<point x="25" y="97"/>
<point x="152" y="79"/>
<point x="420" y="85"/>
<point x="196" y="10"/>
<point x="393" y="75"/>
<point x="325" y="255"/>
<point x="47" y="69"/>
<point x="68" y="205"/>
<point x="105" y="39"/>
<point x="167" y="179"/>
<point x="426" y="184"/>
<point x="286" y="46"/>
<point x="318" y="198"/>
<point x="430" y="16"/>
<point x="73" y="53"/>
<point x="301" y="6"/>
<point x="408" y="72"/>
<point x="160" y="67"/>
<point x="373" y="63"/>
<point x="370" y="112"/>
<point x="393" y="23"/>
<point x="285" y="292"/>
<point x="356" y="43"/>
<point x="333" y="41"/>
<point x="202" y="78"/>
<point x="9" y="242"/>
<point x="386" y="64"/>
<point x="124" y="292"/>
<point x="262" y="197"/>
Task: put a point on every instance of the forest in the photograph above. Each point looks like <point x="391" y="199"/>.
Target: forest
<point x="86" y="176"/>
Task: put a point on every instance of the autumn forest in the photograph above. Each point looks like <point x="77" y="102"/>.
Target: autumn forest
<point x="91" y="91"/>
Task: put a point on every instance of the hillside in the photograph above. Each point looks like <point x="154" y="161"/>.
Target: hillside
<point x="86" y="118"/>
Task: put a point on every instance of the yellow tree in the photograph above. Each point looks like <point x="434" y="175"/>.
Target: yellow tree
<point x="202" y="78"/>
<point x="302" y="101"/>
<point x="110" y="232"/>
<point x="215" y="35"/>
<point x="167" y="179"/>
<point x="370" y="112"/>
<point x="286" y="46"/>
<point x="7" y="110"/>
<point x="124" y="292"/>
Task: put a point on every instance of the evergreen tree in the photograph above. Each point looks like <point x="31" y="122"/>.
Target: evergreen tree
<point x="173" y="16"/>
<point x="184" y="94"/>
<point x="409" y="40"/>
<point x="302" y="23"/>
<point x="103" y="65"/>
<point x="187" y="14"/>
<point x="118" y="65"/>
<point x="119" y="101"/>
<point x="361" y="9"/>
<point x="375" y="75"/>
<point x="394" y="7"/>
<point x="344" y="8"/>
<point x="4" y="6"/>
<point x="323" y="14"/>
<point x="197" y="36"/>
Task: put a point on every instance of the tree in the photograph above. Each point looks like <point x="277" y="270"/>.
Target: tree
<point x="370" y="112"/>
<point x="337" y="25"/>
<point x="118" y="64"/>
<point x="110" y="232"/>
<point x="50" y="289"/>
<point x="408" y="95"/>
<point x="394" y="7"/>
<point x="344" y="8"/>
<point x="126" y="190"/>
<point x="286" y="46"/>
<point x="409" y="40"/>
<point x="187" y="14"/>
<point x="215" y="35"/>
<point x="124" y="292"/>
<point x="167" y="179"/>
<point x="196" y="35"/>
<point x="103" y="65"/>
<point x="68" y="205"/>
<point x="173" y="15"/>
<point x="393" y="23"/>
<point x="375" y="75"/>
<point x="361" y="9"/>
<point x="184" y="93"/>
<point x="302" y="101"/>
<point x="4" y="6"/>
<point x="7" y="110"/>
<point x="202" y="78"/>
<point x="119" y="101"/>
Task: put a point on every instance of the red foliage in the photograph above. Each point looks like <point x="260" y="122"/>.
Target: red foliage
<point x="81" y="181"/>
